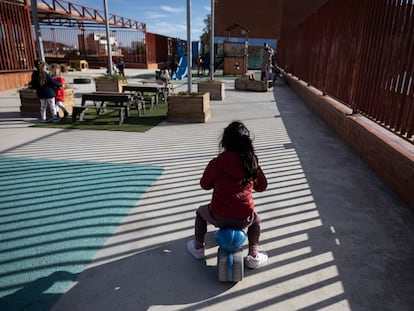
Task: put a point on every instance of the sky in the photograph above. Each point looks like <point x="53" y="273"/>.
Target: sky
<point x="164" y="17"/>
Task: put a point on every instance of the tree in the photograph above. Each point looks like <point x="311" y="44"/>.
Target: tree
<point x="205" y="36"/>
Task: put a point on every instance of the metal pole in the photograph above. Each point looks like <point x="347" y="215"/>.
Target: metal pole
<point x="108" y="43"/>
<point x="189" y="47"/>
<point x="212" y="41"/>
<point x="38" y="34"/>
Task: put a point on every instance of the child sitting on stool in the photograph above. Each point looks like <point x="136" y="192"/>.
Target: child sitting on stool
<point x="232" y="175"/>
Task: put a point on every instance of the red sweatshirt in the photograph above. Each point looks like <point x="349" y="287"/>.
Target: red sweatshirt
<point x="60" y="92"/>
<point x="232" y="198"/>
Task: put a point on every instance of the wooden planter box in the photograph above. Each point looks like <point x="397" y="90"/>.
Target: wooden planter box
<point x="189" y="108"/>
<point x="30" y="103"/>
<point x="109" y="85"/>
<point x="245" y="84"/>
<point x="214" y="87"/>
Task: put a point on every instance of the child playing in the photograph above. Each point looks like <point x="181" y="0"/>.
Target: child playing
<point x="232" y="175"/>
<point x="60" y="92"/>
<point x="44" y="85"/>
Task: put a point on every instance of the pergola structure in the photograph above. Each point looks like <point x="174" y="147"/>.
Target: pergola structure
<point x="17" y="47"/>
<point x="69" y="14"/>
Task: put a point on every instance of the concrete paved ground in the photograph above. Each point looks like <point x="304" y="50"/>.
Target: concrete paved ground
<point x="337" y="238"/>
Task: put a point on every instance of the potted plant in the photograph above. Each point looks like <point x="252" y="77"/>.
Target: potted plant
<point x="30" y="103"/>
<point x="214" y="87"/>
<point x="189" y="107"/>
<point x="110" y="83"/>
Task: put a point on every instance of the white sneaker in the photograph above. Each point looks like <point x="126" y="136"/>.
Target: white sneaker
<point x="198" y="253"/>
<point x="255" y="262"/>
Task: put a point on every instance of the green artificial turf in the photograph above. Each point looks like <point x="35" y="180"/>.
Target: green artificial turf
<point x="109" y="120"/>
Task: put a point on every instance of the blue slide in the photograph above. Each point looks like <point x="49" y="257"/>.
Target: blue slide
<point x="182" y="70"/>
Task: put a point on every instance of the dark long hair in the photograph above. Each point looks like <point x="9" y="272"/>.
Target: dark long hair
<point x="236" y="138"/>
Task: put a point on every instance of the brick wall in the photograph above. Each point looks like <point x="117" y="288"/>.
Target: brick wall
<point x="389" y="156"/>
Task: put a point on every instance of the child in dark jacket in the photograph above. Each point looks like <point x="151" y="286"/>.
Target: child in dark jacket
<point x="233" y="175"/>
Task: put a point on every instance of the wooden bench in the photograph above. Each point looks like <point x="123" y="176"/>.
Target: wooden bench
<point x="80" y="111"/>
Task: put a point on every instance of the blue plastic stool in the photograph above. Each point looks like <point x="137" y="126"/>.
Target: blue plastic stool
<point x="230" y="258"/>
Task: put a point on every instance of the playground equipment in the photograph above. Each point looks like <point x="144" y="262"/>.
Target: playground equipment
<point x="235" y="53"/>
<point x="229" y="257"/>
<point x="182" y="69"/>
<point x="78" y="64"/>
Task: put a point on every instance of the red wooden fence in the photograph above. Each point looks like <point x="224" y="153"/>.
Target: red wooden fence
<point x="16" y="45"/>
<point x="362" y="53"/>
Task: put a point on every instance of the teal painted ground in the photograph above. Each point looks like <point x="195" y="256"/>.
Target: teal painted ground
<point x="54" y="216"/>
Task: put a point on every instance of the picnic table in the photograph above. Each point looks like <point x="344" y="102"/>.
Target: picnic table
<point x="100" y="99"/>
<point x="114" y="97"/>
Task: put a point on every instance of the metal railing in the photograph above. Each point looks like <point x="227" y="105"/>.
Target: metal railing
<point x="362" y="53"/>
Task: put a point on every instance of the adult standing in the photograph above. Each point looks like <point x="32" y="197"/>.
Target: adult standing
<point x="266" y="61"/>
<point x="121" y="67"/>
<point x="44" y="85"/>
<point x="206" y="64"/>
<point x="200" y="65"/>
<point x="173" y="66"/>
